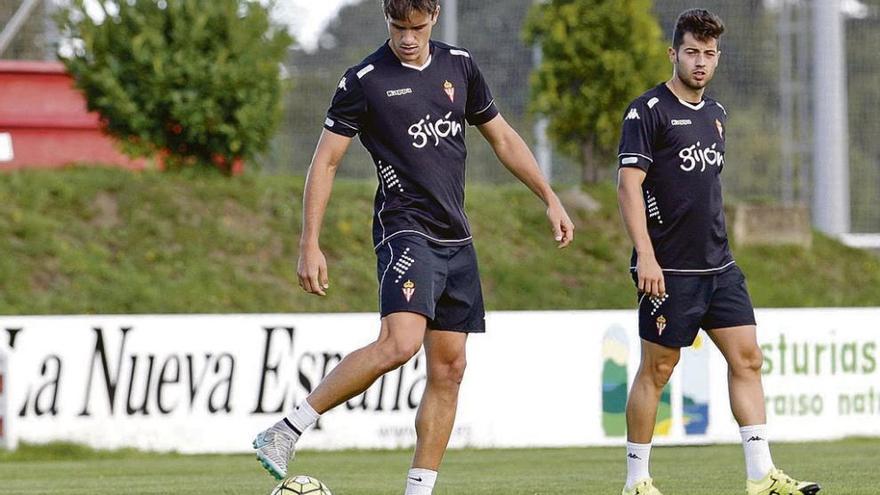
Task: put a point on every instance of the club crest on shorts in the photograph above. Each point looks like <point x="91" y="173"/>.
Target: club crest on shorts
<point x="661" y="324"/>
<point x="449" y="89"/>
<point x="409" y="288"/>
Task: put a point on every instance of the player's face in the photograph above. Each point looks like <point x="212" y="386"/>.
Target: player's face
<point x="695" y="61"/>
<point x="410" y="37"/>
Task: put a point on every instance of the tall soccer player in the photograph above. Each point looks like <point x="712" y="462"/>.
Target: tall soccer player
<point x="409" y="102"/>
<point x="671" y="157"/>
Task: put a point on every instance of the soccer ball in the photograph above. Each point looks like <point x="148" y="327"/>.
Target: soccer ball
<point x="301" y="485"/>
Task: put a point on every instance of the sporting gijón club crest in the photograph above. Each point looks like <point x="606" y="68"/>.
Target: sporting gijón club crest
<point x="449" y="89"/>
<point x="661" y="324"/>
<point x="409" y="288"/>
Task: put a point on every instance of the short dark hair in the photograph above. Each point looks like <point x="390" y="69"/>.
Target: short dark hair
<point x="401" y="9"/>
<point x="701" y="23"/>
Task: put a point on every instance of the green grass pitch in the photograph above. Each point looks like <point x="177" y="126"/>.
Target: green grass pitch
<point x="843" y="468"/>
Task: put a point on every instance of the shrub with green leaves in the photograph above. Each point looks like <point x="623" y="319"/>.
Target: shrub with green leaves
<point x="598" y="55"/>
<point x="194" y="81"/>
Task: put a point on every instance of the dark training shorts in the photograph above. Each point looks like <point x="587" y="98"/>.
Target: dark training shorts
<point x="692" y="302"/>
<point x="440" y="282"/>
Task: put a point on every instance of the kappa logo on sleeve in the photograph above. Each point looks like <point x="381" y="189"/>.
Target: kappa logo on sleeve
<point x="633" y="114"/>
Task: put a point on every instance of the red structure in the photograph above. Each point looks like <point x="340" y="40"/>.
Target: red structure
<point x="44" y="121"/>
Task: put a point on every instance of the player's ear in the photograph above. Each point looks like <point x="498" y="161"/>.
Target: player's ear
<point x="673" y="55"/>
<point x="435" y="16"/>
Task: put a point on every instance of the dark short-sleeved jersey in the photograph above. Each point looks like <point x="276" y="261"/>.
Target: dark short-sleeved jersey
<point x="681" y="148"/>
<point x="412" y="121"/>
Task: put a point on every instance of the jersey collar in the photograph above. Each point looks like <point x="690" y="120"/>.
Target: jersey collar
<point x="410" y="66"/>
<point x="692" y="106"/>
<point x="420" y="69"/>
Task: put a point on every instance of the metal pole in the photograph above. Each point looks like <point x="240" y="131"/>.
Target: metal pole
<point x="51" y="36"/>
<point x="450" y="21"/>
<point x="805" y="155"/>
<point x="18" y="19"/>
<point x="831" y="204"/>
<point x="786" y="101"/>
<point x="543" y="150"/>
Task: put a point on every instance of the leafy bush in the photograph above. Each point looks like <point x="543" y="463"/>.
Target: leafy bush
<point x="196" y="81"/>
<point x="598" y="55"/>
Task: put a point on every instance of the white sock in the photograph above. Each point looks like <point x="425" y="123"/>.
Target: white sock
<point x="420" y="481"/>
<point x="757" y="449"/>
<point x="637" y="457"/>
<point x="301" y="418"/>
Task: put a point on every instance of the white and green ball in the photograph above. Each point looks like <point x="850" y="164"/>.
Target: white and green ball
<point x="301" y="485"/>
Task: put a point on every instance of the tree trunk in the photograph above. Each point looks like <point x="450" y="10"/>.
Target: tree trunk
<point x="589" y="168"/>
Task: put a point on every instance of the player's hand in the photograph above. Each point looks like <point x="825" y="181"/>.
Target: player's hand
<point x="651" y="279"/>
<point x="312" y="271"/>
<point x="563" y="229"/>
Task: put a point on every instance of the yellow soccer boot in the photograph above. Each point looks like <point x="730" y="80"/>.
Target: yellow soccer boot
<point x="644" y="487"/>
<point x="778" y="483"/>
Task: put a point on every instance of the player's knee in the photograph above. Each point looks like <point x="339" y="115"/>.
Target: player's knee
<point x="661" y="371"/>
<point x="748" y="361"/>
<point x="449" y="371"/>
<point x="397" y="352"/>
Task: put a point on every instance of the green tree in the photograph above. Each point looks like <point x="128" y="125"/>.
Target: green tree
<point x="194" y="80"/>
<point x="597" y="56"/>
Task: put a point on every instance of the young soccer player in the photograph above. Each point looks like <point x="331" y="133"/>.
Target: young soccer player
<point x="409" y="102"/>
<point x="671" y="158"/>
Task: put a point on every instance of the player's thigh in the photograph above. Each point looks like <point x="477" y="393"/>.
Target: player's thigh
<point x="658" y="358"/>
<point x="674" y="319"/>
<point x="730" y="305"/>
<point x="730" y="321"/>
<point x="444" y="347"/>
<point x="446" y="353"/>
<point x="411" y="276"/>
<point x="403" y="331"/>
<point x="739" y="345"/>
<point x="460" y="307"/>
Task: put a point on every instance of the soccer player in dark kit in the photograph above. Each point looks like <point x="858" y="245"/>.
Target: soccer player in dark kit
<point x="410" y="103"/>
<point x="671" y="158"/>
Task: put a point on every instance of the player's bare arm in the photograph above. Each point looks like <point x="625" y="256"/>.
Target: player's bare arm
<point x="632" y="209"/>
<point x="312" y="266"/>
<point x="513" y="152"/>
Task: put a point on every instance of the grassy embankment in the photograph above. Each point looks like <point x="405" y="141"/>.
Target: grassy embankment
<point x="110" y="241"/>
